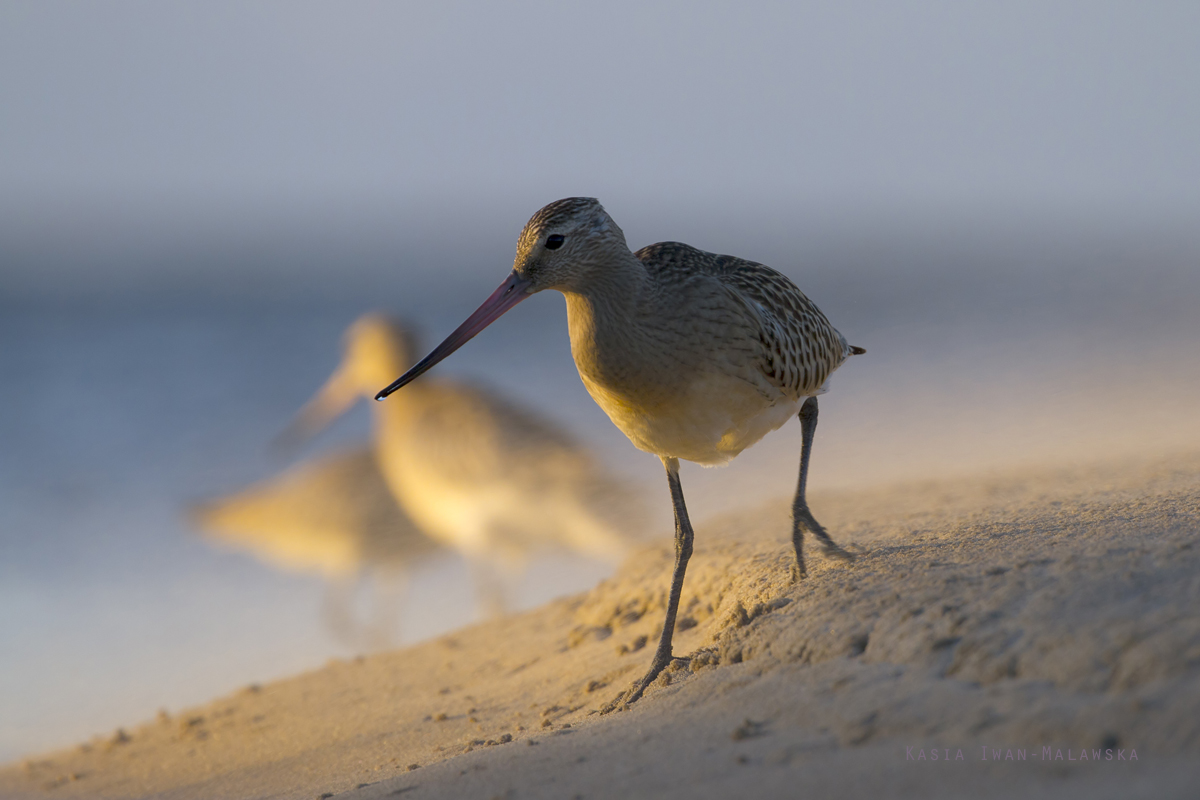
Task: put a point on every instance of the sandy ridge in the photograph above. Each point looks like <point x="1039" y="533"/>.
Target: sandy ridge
<point x="1054" y="608"/>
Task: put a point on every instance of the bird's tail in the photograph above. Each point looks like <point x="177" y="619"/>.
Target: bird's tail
<point x="857" y="351"/>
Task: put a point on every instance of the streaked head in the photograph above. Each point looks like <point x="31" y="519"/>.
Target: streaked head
<point x="559" y="247"/>
<point x="564" y="241"/>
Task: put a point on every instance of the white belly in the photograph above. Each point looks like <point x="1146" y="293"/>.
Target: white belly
<point x="708" y="422"/>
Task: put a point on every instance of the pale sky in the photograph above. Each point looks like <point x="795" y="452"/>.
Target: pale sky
<point x="935" y="103"/>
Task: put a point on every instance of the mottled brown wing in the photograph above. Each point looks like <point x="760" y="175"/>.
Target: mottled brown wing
<point x="800" y="346"/>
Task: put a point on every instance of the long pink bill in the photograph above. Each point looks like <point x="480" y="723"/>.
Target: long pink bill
<point x="511" y="292"/>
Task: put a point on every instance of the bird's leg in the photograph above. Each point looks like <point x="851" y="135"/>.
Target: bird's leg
<point x="802" y="518"/>
<point x="683" y="551"/>
<point x="337" y="610"/>
<point x="489" y="588"/>
<point x="387" y="596"/>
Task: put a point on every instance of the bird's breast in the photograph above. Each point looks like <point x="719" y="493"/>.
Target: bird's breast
<point x="681" y="386"/>
<point x="707" y="420"/>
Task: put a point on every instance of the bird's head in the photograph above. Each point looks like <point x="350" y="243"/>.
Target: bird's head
<point x="564" y="242"/>
<point x="560" y="247"/>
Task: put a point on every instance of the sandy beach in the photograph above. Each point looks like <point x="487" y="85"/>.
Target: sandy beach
<point x="997" y="201"/>
<point x="991" y="624"/>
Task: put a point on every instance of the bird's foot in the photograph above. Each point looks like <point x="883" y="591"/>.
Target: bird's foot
<point x="631" y="695"/>
<point x="831" y="550"/>
<point x="804" y="521"/>
<point x="616" y="704"/>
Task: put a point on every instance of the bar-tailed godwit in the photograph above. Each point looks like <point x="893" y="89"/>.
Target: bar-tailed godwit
<point x="692" y="355"/>
<point x="475" y="471"/>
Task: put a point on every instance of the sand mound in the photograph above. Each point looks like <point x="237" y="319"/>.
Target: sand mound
<point x="1022" y="616"/>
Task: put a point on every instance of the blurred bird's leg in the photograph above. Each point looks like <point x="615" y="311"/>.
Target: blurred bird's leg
<point x="387" y="606"/>
<point x="802" y="518"/>
<point x="683" y="552"/>
<point x="489" y="587"/>
<point x="337" y="611"/>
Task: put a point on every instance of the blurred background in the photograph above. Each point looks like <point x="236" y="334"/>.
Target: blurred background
<point x="998" y="201"/>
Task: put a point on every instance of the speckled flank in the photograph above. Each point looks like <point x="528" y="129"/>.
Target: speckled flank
<point x="799" y="347"/>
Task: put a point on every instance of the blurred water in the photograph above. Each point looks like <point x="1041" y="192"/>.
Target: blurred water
<point x="988" y="349"/>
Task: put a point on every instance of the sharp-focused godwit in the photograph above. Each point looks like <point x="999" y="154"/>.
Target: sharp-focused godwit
<point x="693" y="355"/>
<point x="335" y="516"/>
<point x="473" y="470"/>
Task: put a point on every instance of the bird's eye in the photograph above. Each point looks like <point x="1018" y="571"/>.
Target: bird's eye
<point x="554" y="241"/>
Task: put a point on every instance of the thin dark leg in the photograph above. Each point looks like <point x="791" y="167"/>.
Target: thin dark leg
<point x="683" y="551"/>
<point x="802" y="518"/>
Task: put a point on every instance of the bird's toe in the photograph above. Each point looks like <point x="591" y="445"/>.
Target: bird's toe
<point x="616" y="704"/>
<point x="833" y="551"/>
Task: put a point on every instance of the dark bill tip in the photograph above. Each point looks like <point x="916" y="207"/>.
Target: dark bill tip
<point x="511" y="292"/>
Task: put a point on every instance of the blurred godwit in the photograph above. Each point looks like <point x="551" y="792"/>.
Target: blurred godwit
<point x="693" y="355"/>
<point x="475" y="471"/>
<point x="334" y="516"/>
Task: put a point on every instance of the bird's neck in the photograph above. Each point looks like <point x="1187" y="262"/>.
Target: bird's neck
<point x="605" y="316"/>
<point x="606" y="298"/>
